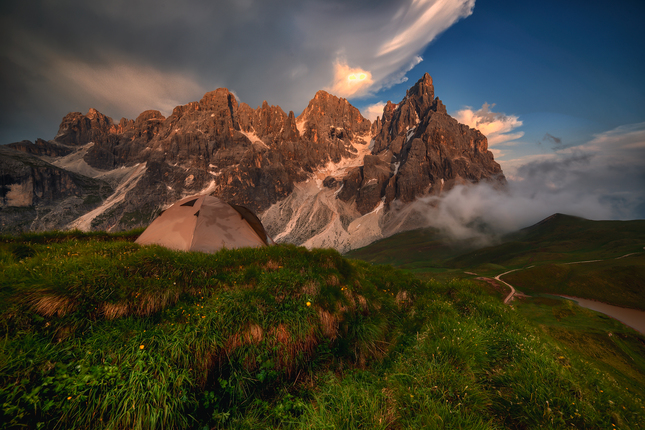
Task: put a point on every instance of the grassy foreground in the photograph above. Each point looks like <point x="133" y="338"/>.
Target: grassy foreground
<point x="98" y="332"/>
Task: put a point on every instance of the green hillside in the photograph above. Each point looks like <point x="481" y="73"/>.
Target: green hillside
<point x="547" y="246"/>
<point x="559" y="239"/>
<point x="98" y="332"/>
<point x="421" y="252"/>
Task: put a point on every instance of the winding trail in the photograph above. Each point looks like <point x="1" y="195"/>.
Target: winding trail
<point x="513" y="291"/>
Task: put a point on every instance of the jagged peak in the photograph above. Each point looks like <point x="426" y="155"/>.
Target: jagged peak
<point x="148" y="115"/>
<point x="214" y="99"/>
<point x="93" y="113"/>
<point x="322" y="93"/>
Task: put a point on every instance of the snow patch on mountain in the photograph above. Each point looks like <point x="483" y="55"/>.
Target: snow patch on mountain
<point x="84" y="223"/>
<point x="254" y="138"/>
<point x="75" y="162"/>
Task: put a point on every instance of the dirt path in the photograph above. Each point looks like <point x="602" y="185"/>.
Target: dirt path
<point x="513" y="292"/>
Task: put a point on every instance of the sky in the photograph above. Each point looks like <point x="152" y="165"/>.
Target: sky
<point x="556" y="86"/>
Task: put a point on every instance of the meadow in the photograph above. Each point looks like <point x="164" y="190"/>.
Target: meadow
<point x="98" y="332"/>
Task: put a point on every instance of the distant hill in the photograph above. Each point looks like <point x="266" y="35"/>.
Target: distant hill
<point x="548" y="246"/>
<point x="560" y="238"/>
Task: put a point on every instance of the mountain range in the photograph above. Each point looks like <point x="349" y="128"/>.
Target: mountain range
<point x="326" y="178"/>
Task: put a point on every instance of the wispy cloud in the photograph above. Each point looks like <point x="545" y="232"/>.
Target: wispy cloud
<point x="418" y="23"/>
<point x="125" y="86"/>
<point x="496" y="126"/>
<point x="549" y="137"/>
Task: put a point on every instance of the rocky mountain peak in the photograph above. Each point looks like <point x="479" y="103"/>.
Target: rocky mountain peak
<point x="218" y="99"/>
<point x="149" y="115"/>
<point x="327" y="177"/>
<point x="327" y="112"/>
<point x="78" y="129"/>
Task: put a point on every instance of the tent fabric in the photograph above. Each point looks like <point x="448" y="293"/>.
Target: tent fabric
<point x="207" y="224"/>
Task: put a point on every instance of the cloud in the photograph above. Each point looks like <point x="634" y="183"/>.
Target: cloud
<point x="627" y="140"/>
<point x="372" y="111"/>
<point x="495" y="126"/>
<point x="420" y="22"/>
<point x="384" y="37"/>
<point x="350" y="81"/>
<point x="125" y="86"/>
<point x="282" y="51"/>
<point x="399" y="77"/>
<point x="602" y="179"/>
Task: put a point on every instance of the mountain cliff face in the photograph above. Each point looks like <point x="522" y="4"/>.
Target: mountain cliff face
<point x="326" y="178"/>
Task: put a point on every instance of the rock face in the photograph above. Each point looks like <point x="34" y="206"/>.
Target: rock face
<point x="35" y="195"/>
<point x="315" y="175"/>
<point x="428" y="150"/>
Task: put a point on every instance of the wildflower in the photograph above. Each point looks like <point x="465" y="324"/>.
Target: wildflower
<point x="141" y="346"/>
<point x="69" y="398"/>
<point x="308" y="303"/>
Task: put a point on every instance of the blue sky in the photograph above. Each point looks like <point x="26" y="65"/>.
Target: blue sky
<point x="569" y="69"/>
<point x="557" y="86"/>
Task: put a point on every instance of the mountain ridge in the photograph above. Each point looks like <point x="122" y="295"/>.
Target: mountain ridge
<point x="262" y="157"/>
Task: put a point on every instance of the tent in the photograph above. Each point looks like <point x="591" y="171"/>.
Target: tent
<point x="207" y="224"/>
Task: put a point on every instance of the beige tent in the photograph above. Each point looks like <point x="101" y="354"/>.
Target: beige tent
<point x="207" y="224"/>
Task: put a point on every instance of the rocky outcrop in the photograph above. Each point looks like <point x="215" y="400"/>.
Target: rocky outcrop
<point x="42" y="148"/>
<point x="327" y="177"/>
<point x="35" y="195"/>
<point x="428" y="150"/>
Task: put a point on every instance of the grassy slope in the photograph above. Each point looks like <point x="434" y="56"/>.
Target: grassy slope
<point x="546" y="245"/>
<point x="595" y="338"/>
<point x="558" y="239"/>
<point x="618" y="282"/>
<point x="100" y="333"/>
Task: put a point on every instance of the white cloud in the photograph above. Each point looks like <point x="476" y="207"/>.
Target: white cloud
<point x="372" y="111"/>
<point x="495" y="126"/>
<point x="624" y="138"/>
<point x="399" y="77"/>
<point x="349" y="81"/>
<point x="421" y="23"/>
<point x="383" y="38"/>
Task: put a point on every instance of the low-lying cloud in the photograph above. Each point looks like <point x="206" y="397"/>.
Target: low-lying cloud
<point x="603" y="179"/>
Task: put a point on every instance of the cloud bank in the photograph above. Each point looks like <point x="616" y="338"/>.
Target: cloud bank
<point x="602" y="179"/>
<point x="125" y="57"/>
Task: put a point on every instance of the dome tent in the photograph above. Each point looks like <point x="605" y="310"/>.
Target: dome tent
<point x="207" y="224"/>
